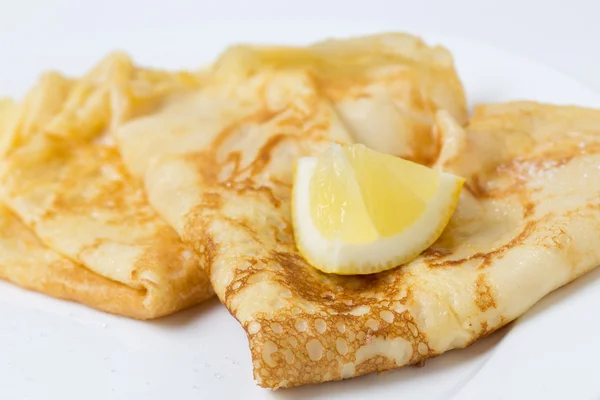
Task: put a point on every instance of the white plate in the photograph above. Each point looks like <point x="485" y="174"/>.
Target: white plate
<point x="57" y="350"/>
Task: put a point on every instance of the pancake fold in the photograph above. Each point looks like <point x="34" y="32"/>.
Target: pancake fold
<point x="100" y="242"/>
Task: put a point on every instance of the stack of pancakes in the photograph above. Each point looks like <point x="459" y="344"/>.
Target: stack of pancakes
<point x="142" y="192"/>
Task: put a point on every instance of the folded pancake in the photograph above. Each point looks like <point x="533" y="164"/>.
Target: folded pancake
<point x="27" y="262"/>
<point x="527" y="223"/>
<point x="378" y="85"/>
<point x="62" y="177"/>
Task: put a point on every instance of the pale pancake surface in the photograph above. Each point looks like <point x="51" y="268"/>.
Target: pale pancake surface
<point x="65" y="180"/>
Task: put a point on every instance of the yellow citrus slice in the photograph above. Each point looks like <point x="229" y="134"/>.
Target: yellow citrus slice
<point x="358" y="211"/>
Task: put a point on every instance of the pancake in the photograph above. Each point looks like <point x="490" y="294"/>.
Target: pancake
<point x="100" y="242"/>
<point x="377" y="85"/>
<point x="27" y="262"/>
<point x="526" y="224"/>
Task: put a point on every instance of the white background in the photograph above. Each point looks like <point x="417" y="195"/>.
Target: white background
<point x="564" y="34"/>
<point x="203" y="352"/>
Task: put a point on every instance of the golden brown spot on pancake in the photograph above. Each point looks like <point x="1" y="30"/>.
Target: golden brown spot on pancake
<point x="522" y="169"/>
<point x="208" y="252"/>
<point x="583" y="210"/>
<point x="559" y="239"/>
<point x="260" y="117"/>
<point x="307" y="282"/>
<point x="243" y="224"/>
<point x="209" y="166"/>
<point x="437" y="252"/>
<point x="483" y="294"/>
<point x="484" y="326"/>
<point x="528" y="209"/>
<point x="593" y="206"/>
<point x="408" y="297"/>
<point x="485" y="330"/>
<point x="472" y="187"/>
<point x="328" y="295"/>
<point x="278" y="182"/>
<point x="380" y="364"/>
<point x="134" y="275"/>
<point x="211" y="201"/>
<point x="486" y="258"/>
<point x="245" y="271"/>
<point x="247" y="186"/>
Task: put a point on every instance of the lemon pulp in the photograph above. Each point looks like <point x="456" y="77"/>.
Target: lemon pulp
<point x="358" y="194"/>
<point x="358" y="211"/>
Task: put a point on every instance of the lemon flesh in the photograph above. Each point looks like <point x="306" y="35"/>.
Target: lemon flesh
<point x="358" y="211"/>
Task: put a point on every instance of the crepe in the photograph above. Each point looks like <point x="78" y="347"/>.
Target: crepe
<point x="377" y="85"/>
<point x="526" y="224"/>
<point x="100" y="242"/>
<point x="230" y="198"/>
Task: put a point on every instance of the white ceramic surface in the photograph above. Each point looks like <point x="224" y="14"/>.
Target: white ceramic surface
<point x="51" y="349"/>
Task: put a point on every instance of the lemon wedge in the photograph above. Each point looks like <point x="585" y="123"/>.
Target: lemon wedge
<point x="358" y="211"/>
